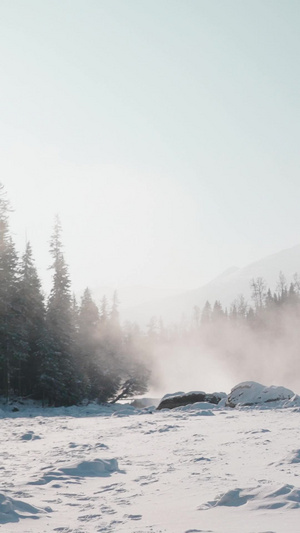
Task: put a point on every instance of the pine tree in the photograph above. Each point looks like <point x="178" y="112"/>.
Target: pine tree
<point x="60" y="379"/>
<point x="88" y="315"/>
<point x="233" y="314"/>
<point x="206" y="313"/>
<point x="104" y="312"/>
<point x="89" y="345"/>
<point x="32" y="328"/>
<point x="10" y="340"/>
<point x="75" y="313"/>
<point x="110" y="354"/>
<point x="269" y="303"/>
<point x="217" y="312"/>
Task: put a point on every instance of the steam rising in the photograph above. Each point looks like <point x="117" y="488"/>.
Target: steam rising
<point x="220" y="349"/>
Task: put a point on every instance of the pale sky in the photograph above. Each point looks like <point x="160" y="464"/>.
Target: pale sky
<point x="164" y="132"/>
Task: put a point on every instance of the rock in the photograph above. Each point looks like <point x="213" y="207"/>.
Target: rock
<point x="170" y="401"/>
<point x="250" y="393"/>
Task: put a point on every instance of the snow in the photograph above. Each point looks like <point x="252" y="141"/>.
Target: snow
<point x="252" y="393"/>
<point x="115" y="468"/>
<point x="12" y="510"/>
<point x="183" y="394"/>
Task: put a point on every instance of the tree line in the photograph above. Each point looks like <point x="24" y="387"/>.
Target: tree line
<point x="267" y="308"/>
<point x="259" y="339"/>
<point x="53" y="349"/>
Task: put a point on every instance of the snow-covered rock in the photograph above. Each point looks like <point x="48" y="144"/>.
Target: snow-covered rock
<point x="179" y="399"/>
<point x="250" y="393"/>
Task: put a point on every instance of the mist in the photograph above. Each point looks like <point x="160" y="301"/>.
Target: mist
<point x="220" y="349"/>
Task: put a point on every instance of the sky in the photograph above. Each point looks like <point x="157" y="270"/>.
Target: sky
<point x="164" y="133"/>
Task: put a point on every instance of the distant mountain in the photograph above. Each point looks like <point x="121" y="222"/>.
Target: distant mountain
<point x="225" y="288"/>
<point x="132" y="296"/>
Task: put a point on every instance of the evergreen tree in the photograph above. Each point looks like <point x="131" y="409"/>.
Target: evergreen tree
<point x="89" y="343"/>
<point x="206" y="314"/>
<point x="233" y="314"/>
<point x="30" y="304"/>
<point x="60" y="378"/>
<point x="88" y="316"/>
<point x="251" y="317"/>
<point x="269" y="303"/>
<point x="217" y="312"/>
<point x="75" y="313"/>
<point x="100" y="348"/>
<point x="104" y="312"/>
<point x="133" y="372"/>
<point x="293" y="296"/>
<point x="11" y="348"/>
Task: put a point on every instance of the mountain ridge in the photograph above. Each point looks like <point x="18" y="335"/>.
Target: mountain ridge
<point x="224" y="288"/>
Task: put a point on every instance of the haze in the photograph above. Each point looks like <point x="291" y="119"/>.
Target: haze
<point x="164" y="133"/>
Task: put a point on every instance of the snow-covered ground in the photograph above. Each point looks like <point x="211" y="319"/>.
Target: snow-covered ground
<point x="198" y="468"/>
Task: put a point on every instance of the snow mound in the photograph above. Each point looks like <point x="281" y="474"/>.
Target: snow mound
<point x="258" y="498"/>
<point x="13" y="510"/>
<point x="250" y="393"/>
<point x="197" y="409"/>
<point x="292" y="459"/>
<point x="141" y="403"/>
<point x="32" y="409"/>
<point x="95" y="468"/>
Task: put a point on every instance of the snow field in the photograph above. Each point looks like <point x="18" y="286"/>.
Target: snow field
<point x="125" y="470"/>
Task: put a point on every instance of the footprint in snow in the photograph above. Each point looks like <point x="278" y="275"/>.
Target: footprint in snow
<point x="133" y="516"/>
<point x="29" y="436"/>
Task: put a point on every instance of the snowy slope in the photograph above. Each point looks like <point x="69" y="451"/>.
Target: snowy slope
<point x="117" y="469"/>
<point x="225" y="288"/>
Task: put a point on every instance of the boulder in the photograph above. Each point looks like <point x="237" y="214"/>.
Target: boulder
<point x="250" y="393"/>
<point x="179" y="399"/>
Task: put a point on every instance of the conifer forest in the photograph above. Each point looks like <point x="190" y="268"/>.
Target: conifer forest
<point x="54" y="349"/>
